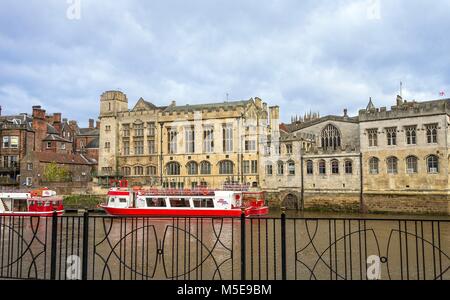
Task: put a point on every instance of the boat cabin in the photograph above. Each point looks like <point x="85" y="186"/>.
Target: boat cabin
<point x="176" y="200"/>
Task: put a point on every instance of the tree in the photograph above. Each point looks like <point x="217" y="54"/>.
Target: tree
<point x="55" y="173"/>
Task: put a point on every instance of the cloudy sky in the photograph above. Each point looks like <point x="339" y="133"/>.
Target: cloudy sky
<point x="301" y="55"/>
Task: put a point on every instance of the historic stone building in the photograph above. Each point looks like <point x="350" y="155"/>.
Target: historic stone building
<point x="381" y="160"/>
<point x="405" y="152"/>
<point x="183" y="146"/>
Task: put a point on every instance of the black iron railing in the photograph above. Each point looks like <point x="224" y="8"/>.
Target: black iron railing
<point x="142" y="248"/>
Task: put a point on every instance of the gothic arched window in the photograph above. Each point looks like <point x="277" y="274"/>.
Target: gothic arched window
<point x="331" y="138"/>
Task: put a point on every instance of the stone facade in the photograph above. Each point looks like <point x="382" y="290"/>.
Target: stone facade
<point x="382" y="160"/>
<point x="333" y="162"/>
<point x="183" y="146"/>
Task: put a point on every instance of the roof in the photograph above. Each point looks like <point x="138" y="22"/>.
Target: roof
<point x="59" y="158"/>
<point x="297" y="126"/>
<point x="55" y="137"/>
<point x="197" y="107"/>
<point x="51" y="129"/>
<point x="94" y="144"/>
<point x="89" y="131"/>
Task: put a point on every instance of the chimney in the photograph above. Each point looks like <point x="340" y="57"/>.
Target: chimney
<point x="345" y="113"/>
<point x="91" y="123"/>
<point x="174" y="103"/>
<point x="57" y="118"/>
<point x="64" y="120"/>
<point x="97" y="125"/>
<point x="38" y="112"/>
<point x="399" y="100"/>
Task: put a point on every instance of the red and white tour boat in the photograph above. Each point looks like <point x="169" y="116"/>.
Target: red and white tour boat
<point x="123" y="201"/>
<point x="42" y="203"/>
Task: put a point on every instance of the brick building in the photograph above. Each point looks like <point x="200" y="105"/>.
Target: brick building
<point x="31" y="142"/>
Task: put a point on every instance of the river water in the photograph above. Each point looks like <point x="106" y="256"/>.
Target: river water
<point x="318" y="246"/>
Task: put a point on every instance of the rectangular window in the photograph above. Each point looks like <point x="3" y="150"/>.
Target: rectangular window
<point x="190" y="140"/>
<point x="6" y="142"/>
<point x="280" y="168"/>
<point x="49" y="145"/>
<point x="246" y="167"/>
<point x="250" y="145"/>
<point x="151" y="129"/>
<point x="208" y="140"/>
<point x="63" y="146"/>
<point x="254" y="166"/>
<point x="108" y="128"/>
<point x="30" y="167"/>
<point x="29" y="181"/>
<point x="139" y="147"/>
<point x="410" y="132"/>
<point x="138" y="130"/>
<point x="373" y="137"/>
<point x="172" y="141"/>
<point x="126" y="148"/>
<point x="289" y="149"/>
<point x="269" y="170"/>
<point x="228" y="138"/>
<point x="14" y="142"/>
<point x="126" y="130"/>
<point x="11" y="142"/>
<point x="179" y="202"/>
<point x="151" y="147"/>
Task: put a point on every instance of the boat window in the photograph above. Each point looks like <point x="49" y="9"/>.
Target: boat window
<point x="123" y="200"/>
<point x="47" y="203"/>
<point x="112" y="199"/>
<point x="156" y="202"/>
<point x="179" y="202"/>
<point x="20" y="206"/>
<point x="204" y="202"/>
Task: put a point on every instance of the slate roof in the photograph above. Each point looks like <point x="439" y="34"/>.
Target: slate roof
<point x="69" y="159"/>
<point x="197" y="107"/>
<point x="55" y="137"/>
<point x="88" y="131"/>
<point x="94" y="144"/>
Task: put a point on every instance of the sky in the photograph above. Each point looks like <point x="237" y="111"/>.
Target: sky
<point x="320" y="56"/>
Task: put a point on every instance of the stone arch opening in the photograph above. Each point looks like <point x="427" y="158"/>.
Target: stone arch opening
<point x="290" y="202"/>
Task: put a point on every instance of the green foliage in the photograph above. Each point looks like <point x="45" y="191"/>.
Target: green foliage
<point x="83" y="201"/>
<point x="55" y="173"/>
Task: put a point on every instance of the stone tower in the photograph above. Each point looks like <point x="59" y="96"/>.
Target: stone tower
<point x="111" y="104"/>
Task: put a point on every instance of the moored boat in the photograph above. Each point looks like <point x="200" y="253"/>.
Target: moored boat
<point x="41" y="203"/>
<point x="123" y="201"/>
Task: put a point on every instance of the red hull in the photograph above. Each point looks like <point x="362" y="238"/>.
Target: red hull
<point x="31" y="214"/>
<point x="184" y="212"/>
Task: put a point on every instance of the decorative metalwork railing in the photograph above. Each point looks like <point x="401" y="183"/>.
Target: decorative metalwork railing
<point x="112" y="248"/>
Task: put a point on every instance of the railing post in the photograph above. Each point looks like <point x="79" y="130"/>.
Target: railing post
<point x="243" y="244"/>
<point x="84" y="269"/>
<point x="54" y="246"/>
<point x="283" y="244"/>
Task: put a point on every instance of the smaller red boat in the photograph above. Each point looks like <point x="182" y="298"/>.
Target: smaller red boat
<point x="123" y="201"/>
<point x="41" y="203"/>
